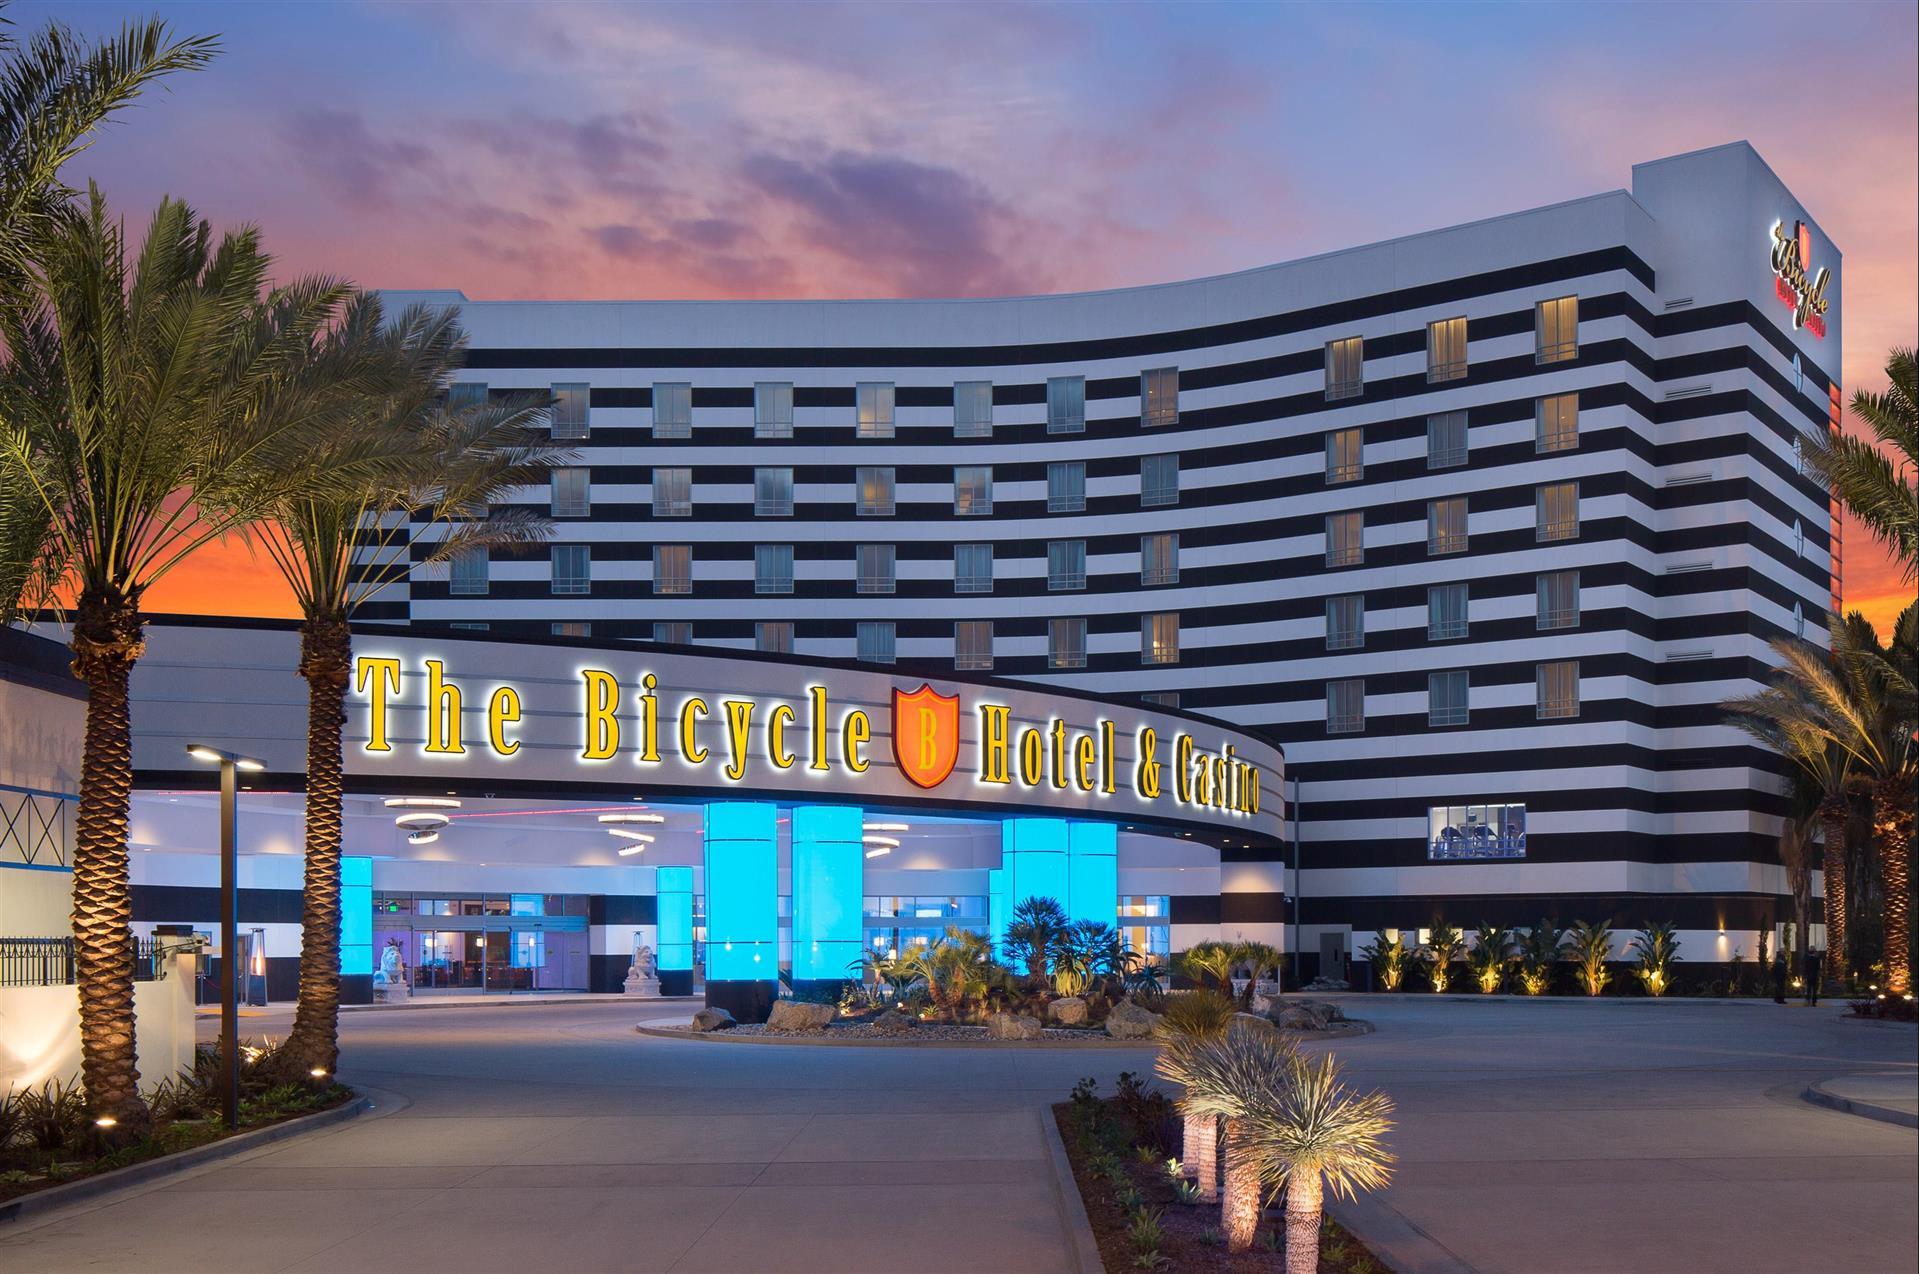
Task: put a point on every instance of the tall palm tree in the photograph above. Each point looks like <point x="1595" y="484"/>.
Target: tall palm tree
<point x="1198" y="1015"/>
<point x="1233" y="1076"/>
<point x="1036" y="936"/>
<point x="426" y="465"/>
<point x="1796" y="855"/>
<point x="154" y="405"/>
<point x="1871" y="479"/>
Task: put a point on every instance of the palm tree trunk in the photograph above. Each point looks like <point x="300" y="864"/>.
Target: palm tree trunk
<point x="326" y="657"/>
<point x="1199" y="1149"/>
<point x="1239" y="1207"/>
<point x="106" y="643"/>
<point x="1832" y="817"/>
<point x="1305" y="1204"/>
<point x="1892" y="831"/>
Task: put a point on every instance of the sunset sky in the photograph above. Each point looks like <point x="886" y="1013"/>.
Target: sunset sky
<point x="599" y="150"/>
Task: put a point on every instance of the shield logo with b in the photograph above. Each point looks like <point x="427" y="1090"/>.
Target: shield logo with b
<point x="925" y="734"/>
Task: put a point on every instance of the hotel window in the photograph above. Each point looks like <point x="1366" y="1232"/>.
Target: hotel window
<point x="1161" y="698"/>
<point x="1065" y="565"/>
<point x="1159" y="638"/>
<point x="1557" y="505"/>
<point x="672" y="409"/>
<point x="773" y="493"/>
<point x="469" y="626"/>
<point x="876" y="492"/>
<point x="672" y="493"/>
<point x="1556" y="330"/>
<point x="1558" y="685"/>
<point x="1346" y="706"/>
<point x="1445" y="349"/>
<point x="1475" y="831"/>
<point x="877" y="643"/>
<point x="1345" y="538"/>
<point x="972" y="490"/>
<point x="466" y="573"/>
<point x="472" y="393"/>
<point x="1798" y="538"/>
<point x="1559" y="600"/>
<point x="876" y="568"/>
<point x="774" y="638"/>
<point x="772" y="568"/>
<point x="572" y="569"/>
<point x="875" y="409"/>
<point x="973" y="409"/>
<point x="1345" y="455"/>
<point x="1346" y="622"/>
<point x="972" y="568"/>
<point x="773" y="409"/>
<point x="570" y="411"/>
<point x="1146" y="925"/>
<point x="1445" y="612"/>
<point x="1158" y="481"/>
<point x="1446" y="698"/>
<point x="1066" y="643"/>
<point x="1446" y="526"/>
<point x="674" y="634"/>
<point x="1159" y="558"/>
<point x="1799" y="621"/>
<point x="1066" y="486"/>
<point x="568" y="496"/>
<point x="571" y="628"/>
<point x="1345" y="368"/>
<point x="1446" y="440"/>
<point x="1066" y="405"/>
<point x="973" y="645"/>
<point x="672" y="568"/>
<point x="1159" y="397"/>
<point x="1556" y="423"/>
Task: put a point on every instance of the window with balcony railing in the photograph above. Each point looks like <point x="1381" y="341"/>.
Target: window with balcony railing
<point x="568" y="420"/>
<point x="1066" y="405"/>
<point x="1556" y="423"/>
<point x="1159" y="397"/>
<point x="1446" y="612"/>
<point x="876" y="568"/>
<point x="1345" y="534"/>
<point x="1158" y="481"/>
<point x="467" y="573"/>
<point x="1346" y="706"/>
<point x="1445" y="349"/>
<point x="1066" y="643"/>
<point x="972" y="568"/>
<point x="1446" y="698"/>
<point x="1346" y="622"/>
<point x="973" y="645"/>
<point x="773" y="409"/>
<point x="1556" y="330"/>
<point x="1345" y="455"/>
<point x="672" y="409"/>
<point x="1159" y="638"/>
<point x="1345" y="368"/>
<point x="972" y="490"/>
<point x="973" y="409"/>
<point x="672" y="493"/>
<point x="875" y="492"/>
<point x="1557" y="507"/>
<point x="1559" y="600"/>
<point x="772" y="568"/>
<point x="1065" y="565"/>
<point x="1446" y="440"/>
<point x="572" y="570"/>
<point x="1066" y="486"/>
<point x="1159" y="558"/>
<point x="874" y="409"/>
<point x="773" y="493"/>
<point x="1446" y="526"/>
<point x="672" y="568"/>
<point x="1558" y="689"/>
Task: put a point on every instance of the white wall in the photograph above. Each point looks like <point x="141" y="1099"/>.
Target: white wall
<point x="40" y="1029"/>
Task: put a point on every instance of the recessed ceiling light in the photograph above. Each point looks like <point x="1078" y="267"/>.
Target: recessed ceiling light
<point x="623" y="834"/>
<point x="891" y="842"/>
<point x="878" y="853"/>
<point x="632" y="818"/>
<point x="886" y="827"/>
<point x="627" y="851"/>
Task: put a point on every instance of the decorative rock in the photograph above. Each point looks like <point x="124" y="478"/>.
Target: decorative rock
<point x="1297" y="1017"/>
<point x="792" y="1015"/>
<point x="710" y="1019"/>
<point x="1266" y="1005"/>
<point x="1012" y="1026"/>
<point x="1070" y="1011"/>
<point x="1128" y="1021"/>
<point x="894" y="1022"/>
<point x="1250" y="1022"/>
<point x="1325" y="1010"/>
<point x="1328" y="984"/>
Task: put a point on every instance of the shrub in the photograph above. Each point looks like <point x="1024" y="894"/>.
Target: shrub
<point x="1591" y="947"/>
<point x="54" y="1116"/>
<point x="1389" y="958"/>
<point x="1439" y="955"/>
<point x="13" y="1119"/>
<point x="1539" y="953"/>
<point x="1655" y="948"/>
<point x="1488" y="958"/>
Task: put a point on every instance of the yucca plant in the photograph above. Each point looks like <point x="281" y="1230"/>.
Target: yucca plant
<point x="1257" y="959"/>
<point x="1444" y="946"/>
<point x="1590" y="947"/>
<point x="1389" y="957"/>
<point x="1230" y="1077"/>
<point x="1488" y="959"/>
<point x="1539" y="953"/>
<point x="1655" y="947"/>
<point x="1198" y="1015"/>
<point x="1211" y="962"/>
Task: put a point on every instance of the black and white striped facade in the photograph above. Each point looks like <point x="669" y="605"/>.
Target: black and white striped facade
<point x="1694" y="535"/>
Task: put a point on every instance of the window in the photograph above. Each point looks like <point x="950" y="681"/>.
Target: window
<point x="1345" y="455"/>
<point x="672" y="493"/>
<point x="675" y="634"/>
<point x="1158" y="481"/>
<point x="1066" y="405"/>
<point x="1475" y="831"/>
<point x="1445" y="349"/>
<point x="1065" y="565"/>
<point x="972" y="568"/>
<point x="1556" y="423"/>
<point x="1446" y="440"/>
<point x="1798" y="375"/>
<point x="1159" y="397"/>
<point x="569" y="494"/>
<point x="1345" y="368"/>
<point x="773" y="409"/>
<point x="775" y="638"/>
<point x="1446" y="526"/>
<point x="1161" y="698"/>
<point x="1159" y="558"/>
<point x="1559" y="689"/>
<point x="1066" y="643"/>
<point x="1558" y="509"/>
<point x="571" y="628"/>
<point x="973" y="645"/>
<point x="772" y="568"/>
<point x="1446" y="612"/>
<point x="672" y="568"/>
<point x="472" y="393"/>
<point x="973" y="409"/>
<point x="672" y="409"/>
<point x="1446" y="698"/>
<point x="876" y="567"/>
<point x="773" y="493"/>
<point x="876" y="492"/>
<point x="467" y="625"/>
<point x="1345" y="538"/>
<point x="1559" y="600"/>
<point x="877" y="643"/>
<point x="466" y="573"/>
<point x="1346" y="706"/>
<point x="572" y="569"/>
<point x="1159" y="638"/>
<point x="1798" y="538"/>
<point x="875" y="409"/>
<point x="570" y="411"/>
<point x="1556" y="330"/>
<point x="1346" y="622"/>
<point x="1066" y="486"/>
<point x="972" y="490"/>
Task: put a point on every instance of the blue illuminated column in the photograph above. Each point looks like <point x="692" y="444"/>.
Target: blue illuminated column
<point x="356" y="930"/>
<point x="673" y="887"/>
<point x="829" y="888"/>
<point x="1092" y="865"/>
<point x="1033" y="856"/>
<point x="996" y="907"/>
<point x="742" y="908"/>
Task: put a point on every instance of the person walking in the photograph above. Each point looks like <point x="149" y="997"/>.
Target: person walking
<point x="1779" y="976"/>
<point x="1812" y="976"/>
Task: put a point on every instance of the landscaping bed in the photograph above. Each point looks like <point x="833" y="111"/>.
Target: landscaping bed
<point x="852" y="1032"/>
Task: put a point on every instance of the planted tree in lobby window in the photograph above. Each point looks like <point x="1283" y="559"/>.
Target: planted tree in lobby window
<point x="1491" y="953"/>
<point x="1590" y="946"/>
<point x="1198" y="1015"/>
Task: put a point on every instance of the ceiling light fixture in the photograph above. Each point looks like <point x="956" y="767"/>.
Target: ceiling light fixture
<point x="632" y="818"/>
<point x="627" y="851"/>
<point x="891" y="842"/>
<point x="422" y="838"/>
<point x="878" y="853"/>
<point x="623" y="834"/>
<point x="885" y="827"/>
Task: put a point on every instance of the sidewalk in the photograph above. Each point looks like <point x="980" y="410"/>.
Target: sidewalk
<point x="1889" y="1096"/>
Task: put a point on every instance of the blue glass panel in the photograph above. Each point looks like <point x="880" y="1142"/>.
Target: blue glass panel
<point x="829" y="873"/>
<point x="674" y="886"/>
<point x="1092" y="858"/>
<point x="356" y="916"/>
<point x="1033" y="855"/>
<point x="742" y="892"/>
<point x="996" y="905"/>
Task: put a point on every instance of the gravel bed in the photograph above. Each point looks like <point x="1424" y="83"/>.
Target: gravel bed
<point x="923" y="1033"/>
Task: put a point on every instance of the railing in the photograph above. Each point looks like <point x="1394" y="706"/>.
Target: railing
<point x="1345" y="556"/>
<point x="1338" y="389"/>
<point x="49" y="961"/>
<point x="1566" y="618"/>
<point x="1558" y="529"/>
<point x="1440" y="543"/>
<point x="1345" y="471"/>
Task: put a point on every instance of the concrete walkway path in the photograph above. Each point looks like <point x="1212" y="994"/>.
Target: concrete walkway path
<point x="1892" y="1096"/>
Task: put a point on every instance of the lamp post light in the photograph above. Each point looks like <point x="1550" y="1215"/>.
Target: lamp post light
<point x="230" y="763"/>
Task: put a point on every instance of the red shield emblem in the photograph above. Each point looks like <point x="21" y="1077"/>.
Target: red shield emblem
<point x="1804" y="234"/>
<point x="925" y="734"/>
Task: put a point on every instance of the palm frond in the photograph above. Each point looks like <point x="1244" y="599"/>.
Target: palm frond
<point x="1321" y="1126"/>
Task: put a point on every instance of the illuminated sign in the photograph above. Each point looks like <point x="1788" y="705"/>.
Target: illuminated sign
<point x="1802" y="290"/>
<point x="926" y="734"/>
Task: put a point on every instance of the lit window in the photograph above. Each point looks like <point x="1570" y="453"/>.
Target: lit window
<point x="1446" y="698"/>
<point x="876" y="492"/>
<point x="1066" y="405"/>
<point x="972" y="568"/>
<point x="1159" y="558"/>
<point x="571" y="628"/>
<point x="1345" y="455"/>
<point x="1066" y="486"/>
<point x="1065" y="565"/>
<point x="1159" y="397"/>
<point x="467" y="572"/>
<point x="672" y="568"/>
<point x="773" y="493"/>
<point x="1161" y="698"/>
<point x="973" y="645"/>
<point x="1158" y="480"/>
<point x="1556" y="330"/>
<point x="775" y="638"/>
<point x="1066" y="643"/>
<point x="1446" y="526"/>
<point x="1557" y="505"/>
<point x="1345" y="367"/>
<point x="1475" y="831"/>
<point x="1446" y="612"/>
<point x="772" y="568"/>
<point x="570" y="411"/>
<point x="1345" y="538"/>
<point x="1159" y="638"/>
<point x="877" y="643"/>
<point x="572" y="569"/>
<point x="972" y="490"/>
<point x="672" y="493"/>
<point x="1446" y="440"/>
<point x="973" y="409"/>
<point x="569" y="495"/>
<point x="875" y="409"/>
<point x="876" y="567"/>
<point x="672" y="409"/>
<point x="1346" y="706"/>
<point x="1558" y="685"/>
<point x="467" y="625"/>
<point x="1346" y="622"/>
<point x="773" y="409"/>
<point x="1446" y="349"/>
<point x="462" y="394"/>
<point x="1559" y="599"/>
<point x="1556" y="423"/>
<point x="673" y="634"/>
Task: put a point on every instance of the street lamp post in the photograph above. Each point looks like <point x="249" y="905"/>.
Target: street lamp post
<point x="230" y="763"/>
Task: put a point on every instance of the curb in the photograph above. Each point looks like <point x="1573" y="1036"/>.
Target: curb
<point x="1397" y="1242"/>
<point x="824" y="1041"/>
<point x="29" y="1205"/>
<point x="526" y="1002"/>
<point x="1864" y="1109"/>
<point x="1072" y="1208"/>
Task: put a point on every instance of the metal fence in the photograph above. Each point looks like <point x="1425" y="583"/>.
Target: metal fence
<point x="49" y="961"/>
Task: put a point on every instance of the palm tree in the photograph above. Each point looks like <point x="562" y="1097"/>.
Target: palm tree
<point x="1871" y="482"/>
<point x="154" y="405"/>
<point x="1796" y="855"/>
<point x="1590" y="947"/>
<point x="1212" y="961"/>
<point x="426" y="466"/>
<point x="1655" y="947"/>
<point x="1444" y="947"/>
<point x="1320" y="1136"/>
<point x="1258" y="959"/>
<point x="1539" y="953"/>
<point x="1036" y="936"/>
<point x="1389" y="957"/>
<point x="958" y="968"/>
<point x="1198" y="1015"/>
<point x="1487" y="960"/>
